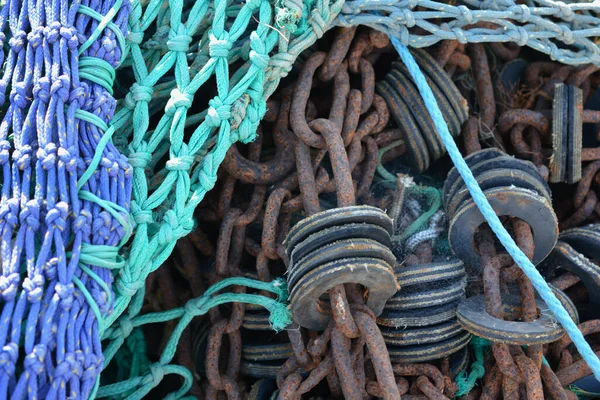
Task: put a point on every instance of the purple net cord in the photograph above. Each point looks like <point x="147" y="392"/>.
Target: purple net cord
<point x="59" y="242"/>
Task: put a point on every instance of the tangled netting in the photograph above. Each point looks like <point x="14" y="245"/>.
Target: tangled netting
<point x="194" y="79"/>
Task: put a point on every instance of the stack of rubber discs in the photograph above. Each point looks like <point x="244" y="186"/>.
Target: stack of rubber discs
<point x="263" y="352"/>
<point x="567" y="128"/>
<point x="335" y="247"/>
<point x="423" y="143"/>
<point x="578" y="251"/>
<point x="514" y="188"/>
<point x="419" y="322"/>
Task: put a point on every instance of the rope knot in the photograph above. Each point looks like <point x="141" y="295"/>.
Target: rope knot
<point x="128" y="287"/>
<point x="41" y="90"/>
<point x="135" y="37"/>
<point x="69" y="33"/>
<point x="178" y="99"/>
<point x="138" y="93"/>
<point x="4" y="151"/>
<point x="35" y="36"/>
<point x="18" y="95"/>
<point x="52" y="32"/>
<point x="22" y="157"/>
<point x="566" y="34"/>
<point x="139" y="159"/>
<point x="465" y="15"/>
<point x="157" y="374"/>
<point x="126" y="326"/>
<point x="57" y="216"/>
<point x="406" y="16"/>
<point x="47" y="156"/>
<point x="521" y="12"/>
<point x="49" y="268"/>
<point x="17" y="41"/>
<point x="9" y="211"/>
<point x="9" y="285"/>
<point x="34" y="361"/>
<point x="219" y="47"/>
<point x="207" y="181"/>
<point x="284" y="61"/>
<point x="181" y="163"/>
<point x="78" y="94"/>
<point x="61" y="87"/>
<point x="217" y="112"/>
<point x="65" y="293"/>
<point x="8" y="358"/>
<point x="565" y="11"/>
<point x="68" y="157"/>
<point x="519" y="35"/>
<point x="179" y="40"/>
<point x="141" y="216"/>
<point x="30" y="215"/>
<point x="67" y="368"/>
<point x="83" y="222"/>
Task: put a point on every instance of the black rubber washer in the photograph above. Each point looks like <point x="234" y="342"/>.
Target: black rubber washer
<point x="534" y="209"/>
<point x="417" y="153"/>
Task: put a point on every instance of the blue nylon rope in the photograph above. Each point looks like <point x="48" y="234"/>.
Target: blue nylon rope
<point x="490" y="216"/>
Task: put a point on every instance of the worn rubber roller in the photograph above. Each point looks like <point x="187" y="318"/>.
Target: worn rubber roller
<point x="419" y="322"/>
<point x="514" y="188"/>
<point x="423" y="142"/>
<point x="335" y="247"/>
<point x="567" y="128"/>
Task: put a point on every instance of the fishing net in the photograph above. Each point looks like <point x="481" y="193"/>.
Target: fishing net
<point x="115" y="118"/>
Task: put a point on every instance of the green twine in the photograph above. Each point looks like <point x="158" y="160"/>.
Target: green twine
<point x="464" y="382"/>
<point x="140" y="386"/>
<point x="434" y="202"/>
<point x="385" y="174"/>
<point x="582" y="394"/>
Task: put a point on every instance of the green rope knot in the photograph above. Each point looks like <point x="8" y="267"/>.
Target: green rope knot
<point x="219" y="47"/>
<point x="464" y="382"/>
<point x="217" y="112"/>
<point x="179" y="40"/>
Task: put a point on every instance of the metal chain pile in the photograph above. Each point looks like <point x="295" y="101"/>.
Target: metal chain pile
<point x="304" y="200"/>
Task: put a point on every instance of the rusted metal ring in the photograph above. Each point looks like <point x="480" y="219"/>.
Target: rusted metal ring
<point x="420" y="335"/>
<point x="412" y="354"/>
<point x="532" y="208"/>
<point x="374" y="274"/>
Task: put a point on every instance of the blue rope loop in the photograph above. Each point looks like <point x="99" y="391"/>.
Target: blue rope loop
<point x="490" y="216"/>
